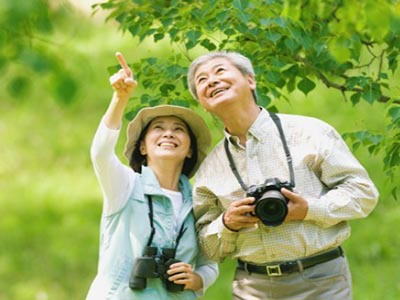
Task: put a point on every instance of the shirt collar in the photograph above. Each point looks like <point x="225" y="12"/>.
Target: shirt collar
<point x="256" y="130"/>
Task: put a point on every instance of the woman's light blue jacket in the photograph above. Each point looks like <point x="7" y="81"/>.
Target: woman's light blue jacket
<point x="125" y="233"/>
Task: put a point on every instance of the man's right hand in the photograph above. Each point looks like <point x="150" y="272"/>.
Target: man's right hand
<point x="238" y="215"/>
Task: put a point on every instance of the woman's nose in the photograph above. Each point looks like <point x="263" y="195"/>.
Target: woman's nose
<point x="168" y="133"/>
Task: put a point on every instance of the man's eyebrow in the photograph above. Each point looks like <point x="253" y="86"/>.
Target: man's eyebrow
<point x="213" y="67"/>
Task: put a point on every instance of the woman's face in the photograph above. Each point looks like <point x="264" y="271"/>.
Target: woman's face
<point x="167" y="138"/>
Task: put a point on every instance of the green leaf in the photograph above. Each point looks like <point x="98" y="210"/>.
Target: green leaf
<point x="19" y="86"/>
<point x="339" y="48"/>
<point x="394" y="114"/>
<point x="166" y="88"/>
<point x="131" y="114"/>
<point x="273" y="22"/>
<point x="273" y="76"/>
<point x="392" y="59"/>
<point x="273" y="36"/>
<point x="36" y="60"/>
<point x="192" y="36"/>
<point x="65" y="88"/>
<point x="355" y="98"/>
<point x="372" y="93"/>
<point x="158" y="36"/>
<point x="263" y="100"/>
<point x="376" y="18"/>
<point x="395" y="192"/>
<point x="291" y="44"/>
<point x="222" y="16"/>
<point x="306" y="85"/>
<point x="392" y="158"/>
<point x="240" y="5"/>
<point x="206" y="43"/>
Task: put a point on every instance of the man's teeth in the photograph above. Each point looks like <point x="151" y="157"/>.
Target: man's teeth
<point x="217" y="91"/>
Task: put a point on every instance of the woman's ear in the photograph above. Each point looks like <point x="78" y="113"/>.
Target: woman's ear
<point x="142" y="148"/>
<point x="190" y="153"/>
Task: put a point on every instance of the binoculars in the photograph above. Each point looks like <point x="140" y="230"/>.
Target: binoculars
<point x="151" y="265"/>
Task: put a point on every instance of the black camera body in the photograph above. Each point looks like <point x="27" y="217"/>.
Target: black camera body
<point x="152" y="265"/>
<point x="270" y="205"/>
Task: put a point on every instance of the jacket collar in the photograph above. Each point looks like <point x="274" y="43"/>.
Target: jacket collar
<point x="152" y="187"/>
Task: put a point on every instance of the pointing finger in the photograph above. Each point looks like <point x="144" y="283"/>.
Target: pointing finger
<point x="123" y="63"/>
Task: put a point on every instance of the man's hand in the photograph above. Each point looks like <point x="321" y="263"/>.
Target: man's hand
<point x="297" y="206"/>
<point x="237" y="216"/>
<point x="122" y="81"/>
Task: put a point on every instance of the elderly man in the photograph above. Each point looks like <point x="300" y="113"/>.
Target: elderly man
<point x="277" y="193"/>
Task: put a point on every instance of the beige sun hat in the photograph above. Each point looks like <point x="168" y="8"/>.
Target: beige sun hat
<point x="192" y="119"/>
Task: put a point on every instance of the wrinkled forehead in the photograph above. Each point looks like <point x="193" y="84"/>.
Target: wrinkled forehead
<point x="211" y="64"/>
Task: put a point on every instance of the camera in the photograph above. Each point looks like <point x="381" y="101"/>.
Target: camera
<point x="152" y="265"/>
<point x="270" y="205"/>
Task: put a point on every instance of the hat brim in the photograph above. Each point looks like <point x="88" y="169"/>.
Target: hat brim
<point x="191" y="118"/>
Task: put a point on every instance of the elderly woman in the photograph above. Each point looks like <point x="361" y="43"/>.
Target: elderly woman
<point x="148" y="244"/>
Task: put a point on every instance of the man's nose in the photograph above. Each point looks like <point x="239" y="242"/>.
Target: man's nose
<point x="212" y="81"/>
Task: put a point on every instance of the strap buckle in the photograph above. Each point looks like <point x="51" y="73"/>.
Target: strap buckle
<point x="274" y="270"/>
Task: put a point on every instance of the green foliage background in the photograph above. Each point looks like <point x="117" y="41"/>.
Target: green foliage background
<point x="54" y="89"/>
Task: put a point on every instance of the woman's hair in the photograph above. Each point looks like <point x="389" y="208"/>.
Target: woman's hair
<point x="240" y="61"/>
<point x="138" y="160"/>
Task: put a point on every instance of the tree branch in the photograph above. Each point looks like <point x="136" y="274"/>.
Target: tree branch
<point x="343" y="88"/>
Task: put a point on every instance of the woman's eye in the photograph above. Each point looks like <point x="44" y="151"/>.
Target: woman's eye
<point x="219" y="70"/>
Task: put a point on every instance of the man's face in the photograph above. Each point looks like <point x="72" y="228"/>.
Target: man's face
<point x="219" y="83"/>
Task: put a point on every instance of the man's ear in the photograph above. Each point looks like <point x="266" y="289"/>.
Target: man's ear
<point x="252" y="82"/>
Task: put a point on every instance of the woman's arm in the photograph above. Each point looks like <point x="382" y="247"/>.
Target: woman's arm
<point x="115" y="178"/>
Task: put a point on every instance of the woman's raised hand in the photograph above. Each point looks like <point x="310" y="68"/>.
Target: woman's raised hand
<point x="123" y="85"/>
<point x="123" y="82"/>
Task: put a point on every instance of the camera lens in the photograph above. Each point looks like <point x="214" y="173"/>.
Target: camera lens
<point x="271" y="208"/>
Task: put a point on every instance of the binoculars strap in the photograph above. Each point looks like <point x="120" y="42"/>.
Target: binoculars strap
<point x="153" y="229"/>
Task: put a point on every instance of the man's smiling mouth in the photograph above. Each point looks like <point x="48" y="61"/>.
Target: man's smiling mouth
<point x="217" y="91"/>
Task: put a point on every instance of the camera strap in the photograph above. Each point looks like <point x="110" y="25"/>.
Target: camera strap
<point x="153" y="229"/>
<point x="278" y="124"/>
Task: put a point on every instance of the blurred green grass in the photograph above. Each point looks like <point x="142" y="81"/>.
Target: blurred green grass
<point x="51" y="202"/>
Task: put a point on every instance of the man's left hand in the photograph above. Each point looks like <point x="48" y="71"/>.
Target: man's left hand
<point x="297" y="206"/>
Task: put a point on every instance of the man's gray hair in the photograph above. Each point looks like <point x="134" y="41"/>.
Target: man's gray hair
<point x="238" y="60"/>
